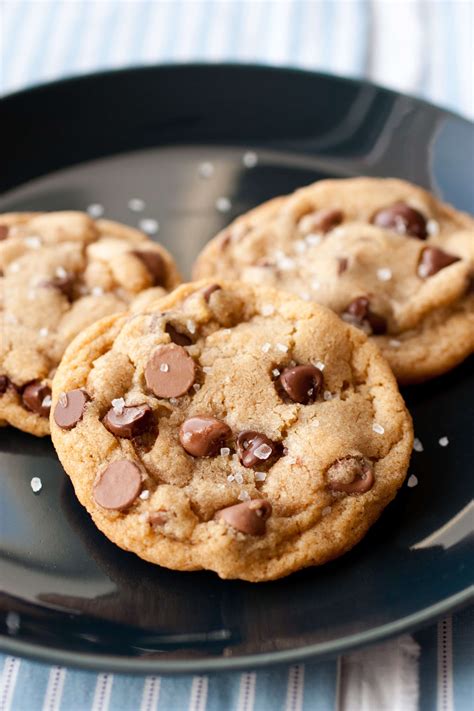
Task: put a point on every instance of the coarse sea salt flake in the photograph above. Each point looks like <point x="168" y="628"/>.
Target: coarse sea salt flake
<point x="275" y="372"/>
<point x="239" y="478"/>
<point x="196" y="387"/>
<point x="443" y="441"/>
<point x="327" y="395"/>
<point x="412" y="481"/>
<point x="145" y="495"/>
<point x="417" y="445"/>
<point x="149" y="225"/>
<point x="36" y="484"/>
<point x="164" y="367"/>
<point x="281" y="347"/>
<point x="263" y="451"/>
<point x="61" y="272"/>
<point x="95" y="210"/>
<point x="313" y="239"/>
<point x="33" y="242"/>
<point x="432" y="227"/>
<point x="384" y="274"/>
<point x="266" y="347"/>
<point x="320" y="365"/>
<point x="260" y="476"/>
<point x="62" y="399"/>
<point x="223" y="204"/>
<point x="244" y="496"/>
<point x="43" y="332"/>
<point x="250" y="159"/>
<point x="268" y="309"/>
<point x="97" y="291"/>
<point x="46" y="402"/>
<point x="315" y="423"/>
<point x="230" y="478"/>
<point x="207" y="369"/>
<point x="378" y="428"/>
<point x="191" y="326"/>
<point x="118" y="404"/>
<point x="225" y="451"/>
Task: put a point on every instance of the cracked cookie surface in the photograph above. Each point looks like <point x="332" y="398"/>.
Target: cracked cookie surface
<point x="59" y="272"/>
<point x="231" y="428"/>
<point x="382" y="253"/>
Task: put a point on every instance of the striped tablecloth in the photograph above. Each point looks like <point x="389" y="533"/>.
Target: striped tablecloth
<point x="423" y="47"/>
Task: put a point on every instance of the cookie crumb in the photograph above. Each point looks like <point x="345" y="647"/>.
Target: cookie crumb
<point x="136" y="205"/>
<point x="250" y="159"/>
<point x="417" y="445"/>
<point x="36" y="484"/>
<point x="378" y="428"/>
<point x="412" y="481"/>
<point x="443" y="441"/>
<point x="149" y="225"/>
<point x="95" y="210"/>
<point x="223" y="204"/>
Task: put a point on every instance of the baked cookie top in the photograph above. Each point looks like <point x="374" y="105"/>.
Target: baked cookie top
<point x="383" y="253"/>
<point x="59" y="272"/>
<point x="230" y="427"/>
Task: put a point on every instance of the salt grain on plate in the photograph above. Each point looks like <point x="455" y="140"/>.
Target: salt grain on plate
<point x="417" y="445"/>
<point x="412" y="481"/>
<point x="223" y="204"/>
<point x="149" y="225"/>
<point x="394" y="343"/>
<point x="36" y="484"/>
<point x="95" y="210"/>
<point x="250" y="159"/>
<point x="378" y="428"/>
<point x="136" y="205"/>
<point x="206" y="170"/>
<point x="443" y="442"/>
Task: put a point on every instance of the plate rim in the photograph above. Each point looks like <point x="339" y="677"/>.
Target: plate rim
<point x="140" y="665"/>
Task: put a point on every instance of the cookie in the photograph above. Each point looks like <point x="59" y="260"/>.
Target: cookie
<point x="384" y="254"/>
<point x="59" y="272"/>
<point x="232" y="428"/>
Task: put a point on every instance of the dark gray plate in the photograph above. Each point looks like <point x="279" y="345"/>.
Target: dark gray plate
<point x="143" y="133"/>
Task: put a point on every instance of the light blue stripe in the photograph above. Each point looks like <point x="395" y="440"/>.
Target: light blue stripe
<point x="271" y="686"/>
<point x="235" y="27"/>
<point x="223" y="691"/>
<point x="201" y="38"/>
<point x="12" y="44"/>
<point x="30" y="686"/>
<point x="298" y="11"/>
<point x="127" y="692"/>
<point x="168" y="49"/>
<point x="143" y="17"/>
<point x="75" y="39"/>
<point x="451" y="55"/>
<point x="175" y="692"/>
<point x="78" y="691"/>
<point x="463" y="657"/>
<point x="39" y="49"/>
<point x="320" y="686"/>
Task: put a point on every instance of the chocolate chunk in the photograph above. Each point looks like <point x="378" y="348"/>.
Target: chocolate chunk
<point x="210" y="290"/>
<point x="3" y="232"/>
<point x="351" y="475"/>
<point x="203" y="436"/>
<point x="133" y="420"/>
<point x="170" y="372"/>
<point x="118" y="486"/>
<point x="70" y="408"/>
<point x="181" y="339"/>
<point x="433" y="260"/>
<point x="64" y="284"/>
<point x="158" y="518"/>
<point x="155" y="264"/>
<point x="36" y="396"/>
<point x="360" y="314"/>
<point x="248" y="517"/>
<point x="325" y="219"/>
<point x="257" y="451"/>
<point x="342" y="264"/>
<point x="3" y="384"/>
<point x="301" y="383"/>
<point x="403" y="219"/>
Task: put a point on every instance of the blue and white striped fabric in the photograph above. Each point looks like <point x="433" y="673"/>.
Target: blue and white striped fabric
<point x="423" y="47"/>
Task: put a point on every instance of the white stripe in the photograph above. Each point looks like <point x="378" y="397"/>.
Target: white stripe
<point x="54" y="690"/>
<point x="311" y="51"/>
<point x="250" y="44"/>
<point x="186" y="39"/>
<point x="9" y="677"/>
<point x="151" y="693"/>
<point x="198" y="698"/>
<point x="103" y="689"/>
<point x="344" y="45"/>
<point x="295" y="688"/>
<point x="445" y="665"/>
<point x="279" y="20"/>
<point x="154" y="35"/>
<point x="247" y="691"/>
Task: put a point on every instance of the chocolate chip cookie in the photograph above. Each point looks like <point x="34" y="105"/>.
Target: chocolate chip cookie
<point x="59" y="272"/>
<point x="384" y="254"/>
<point x="230" y="427"/>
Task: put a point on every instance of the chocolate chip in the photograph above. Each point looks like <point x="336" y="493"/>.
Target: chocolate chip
<point x="301" y="383"/>
<point x="248" y="517"/>
<point x="170" y="372"/>
<point x="433" y="260"/>
<point x="342" y="264"/>
<point x="325" y="219"/>
<point x="155" y="264"/>
<point x="210" y="290"/>
<point x="361" y="314"/>
<point x="257" y="451"/>
<point x="3" y="383"/>
<point x="351" y="475"/>
<point x="133" y="420"/>
<point x="36" y="396"/>
<point x="181" y="339"/>
<point x="403" y="219"/>
<point x="158" y="518"/>
<point x="3" y="232"/>
<point x="63" y="283"/>
<point x="203" y="436"/>
<point x="70" y="408"/>
<point x="118" y="486"/>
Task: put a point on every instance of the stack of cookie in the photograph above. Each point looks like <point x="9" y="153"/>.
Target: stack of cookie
<point x="237" y="423"/>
